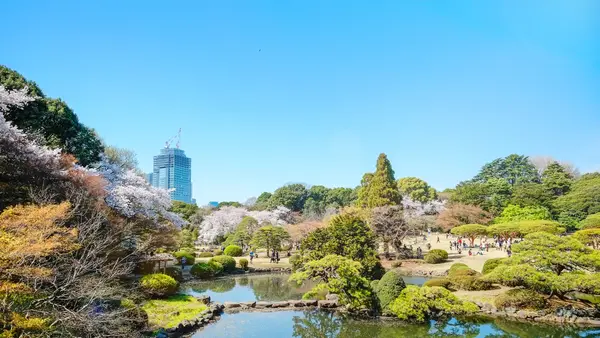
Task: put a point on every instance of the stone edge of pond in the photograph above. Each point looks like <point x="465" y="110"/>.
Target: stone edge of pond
<point x="563" y="315"/>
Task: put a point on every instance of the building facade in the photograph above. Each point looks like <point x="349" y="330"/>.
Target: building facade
<point x="173" y="170"/>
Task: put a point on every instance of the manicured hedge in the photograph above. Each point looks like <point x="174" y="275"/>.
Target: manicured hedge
<point x="520" y="299"/>
<point x="158" y="285"/>
<point x="436" y="256"/>
<point x="243" y="263"/>
<point x="442" y="282"/>
<point x="491" y="264"/>
<point x="189" y="257"/>
<point x="202" y="270"/>
<point x="227" y="261"/>
<point x="389" y="288"/>
<point x="205" y="254"/>
<point x="233" y="251"/>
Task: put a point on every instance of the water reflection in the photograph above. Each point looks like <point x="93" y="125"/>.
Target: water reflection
<point x="322" y="324"/>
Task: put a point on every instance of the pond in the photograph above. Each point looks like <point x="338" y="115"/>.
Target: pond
<point x="261" y="287"/>
<point x="323" y="324"/>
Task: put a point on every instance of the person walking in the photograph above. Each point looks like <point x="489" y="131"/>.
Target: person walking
<point x="251" y="256"/>
<point x="276" y="256"/>
<point x="438" y="239"/>
<point x="183" y="261"/>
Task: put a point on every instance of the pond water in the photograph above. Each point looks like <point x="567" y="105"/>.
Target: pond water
<point x="267" y="287"/>
<point x="323" y="324"/>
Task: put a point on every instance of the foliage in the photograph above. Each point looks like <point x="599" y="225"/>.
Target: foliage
<point x="338" y="275"/>
<point x="462" y="277"/>
<point x="436" y="256"/>
<point x="229" y="204"/>
<point x="349" y="236"/>
<point x="205" y="254"/>
<point x="556" y="179"/>
<point x="416" y="189"/>
<point x="296" y="261"/>
<point x="217" y="252"/>
<point x="52" y="119"/>
<point x="589" y="237"/>
<point x="168" y="313"/>
<point x="227" y="262"/>
<point x="291" y="196"/>
<point x="243" y="264"/>
<point x="421" y="303"/>
<point x="203" y="270"/>
<point x="590" y="222"/>
<point x="185" y="210"/>
<point x="379" y="189"/>
<point x="490" y="265"/>
<point x="269" y="237"/>
<point x="458" y="214"/>
<point x="233" y="251"/>
<point x="491" y="195"/>
<point x="471" y="231"/>
<point x="440" y="282"/>
<point x="571" y="219"/>
<point x="216" y="267"/>
<point x="299" y="231"/>
<point x="389" y="288"/>
<point x="175" y="272"/>
<point x="584" y="196"/>
<point x="189" y="257"/>
<point x="457" y="266"/>
<point x="262" y="202"/>
<point x="513" y="169"/>
<point x="388" y="223"/>
<point x="532" y="194"/>
<point x="158" y="285"/>
<point x="520" y="299"/>
<point x="243" y="232"/>
<point x="517" y="213"/>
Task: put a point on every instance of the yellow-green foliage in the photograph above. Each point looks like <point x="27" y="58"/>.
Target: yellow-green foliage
<point x="457" y="266"/>
<point x="189" y="257"/>
<point x="205" y="254"/>
<point x="436" y="256"/>
<point x="464" y="278"/>
<point x="243" y="263"/>
<point x="520" y="299"/>
<point x="233" y="251"/>
<point x="441" y="282"/>
<point x="172" y="311"/>
<point x="389" y="288"/>
<point x="158" y="285"/>
<point x="421" y="303"/>
<point x="204" y="270"/>
<point x="227" y="261"/>
<point x="491" y="264"/>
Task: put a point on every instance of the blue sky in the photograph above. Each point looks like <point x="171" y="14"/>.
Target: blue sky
<point x="441" y="87"/>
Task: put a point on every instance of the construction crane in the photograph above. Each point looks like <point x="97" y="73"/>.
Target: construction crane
<point x="170" y="141"/>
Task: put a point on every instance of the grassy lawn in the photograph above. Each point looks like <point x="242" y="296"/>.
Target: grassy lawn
<point x="171" y="311"/>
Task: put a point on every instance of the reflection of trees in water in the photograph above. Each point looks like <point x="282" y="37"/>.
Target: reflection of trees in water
<point x="534" y="330"/>
<point x="317" y="324"/>
<point x="242" y="281"/>
<point x="275" y="288"/>
<point x="221" y="285"/>
<point x="453" y="327"/>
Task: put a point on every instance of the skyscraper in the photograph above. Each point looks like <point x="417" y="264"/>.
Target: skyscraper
<point x="173" y="170"/>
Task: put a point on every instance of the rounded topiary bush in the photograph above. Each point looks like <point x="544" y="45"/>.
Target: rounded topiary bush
<point x="216" y="267"/>
<point x="463" y="272"/>
<point x="457" y="266"/>
<point x="243" y="263"/>
<point x="217" y="252"/>
<point x="205" y="254"/>
<point x="520" y="299"/>
<point x="389" y="288"/>
<point x="442" y="282"/>
<point x="175" y="272"/>
<point x="227" y="261"/>
<point x="190" y="259"/>
<point x="491" y="264"/>
<point x="202" y="270"/>
<point x="436" y="256"/>
<point x="233" y="251"/>
<point x="158" y="285"/>
<point x="470" y="283"/>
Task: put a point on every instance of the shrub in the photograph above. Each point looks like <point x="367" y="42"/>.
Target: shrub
<point x="175" y="272"/>
<point x="202" y="270"/>
<point x="205" y="254"/>
<point x="463" y="272"/>
<point x="233" y="251"/>
<point x="457" y="266"/>
<point x="189" y="257"/>
<point x="189" y="250"/>
<point x="216" y="267"/>
<point x="436" y="256"/>
<point x="396" y="264"/>
<point x="490" y="265"/>
<point x="243" y="263"/>
<point x="470" y="283"/>
<point x="422" y="303"/>
<point x="441" y="282"/>
<point x="159" y="285"/>
<point x="227" y="261"/>
<point x="374" y="284"/>
<point x="389" y="288"/>
<point x="520" y="299"/>
<point x="296" y="261"/>
<point x="217" y="252"/>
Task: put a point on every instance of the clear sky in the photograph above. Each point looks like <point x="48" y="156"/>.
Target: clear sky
<point x="272" y="92"/>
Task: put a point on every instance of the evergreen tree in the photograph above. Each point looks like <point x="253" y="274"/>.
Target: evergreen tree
<point x="556" y="179"/>
<point x="379" y="189"/>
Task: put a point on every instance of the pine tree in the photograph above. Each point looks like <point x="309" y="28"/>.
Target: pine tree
<point x="379" y="189"/>
<point x="556" y="179"/>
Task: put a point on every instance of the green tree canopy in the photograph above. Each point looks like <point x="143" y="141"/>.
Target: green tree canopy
<point x="532" y="194"/>
<point x="517" y="213"/>
<point x="556" y="179"/>
<point x="52" y="119"/>
<point x="523" y="228"/>
<point x="269" y="237"/>
<point x="513" y="169"/>
<point x="291" y="196"/>
<point x="589" y="237"/>
<point x="379" y="189"/>
<point x="262" y="202"/>
<point x="584" y="196"/>
<point x="229" y="204"/>
<point x="340" y="197"/>
<point x="416" y="189"/>
<point x="492" y="195"/>
<point x="243" y="232"/>
<point x="591" y="221"/>
<point x="185" y="210"/>
<point x="471" y="231"/>
<point x="347" y="235"/>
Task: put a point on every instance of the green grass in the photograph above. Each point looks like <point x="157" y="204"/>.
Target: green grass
<point x="171" y="311"/>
